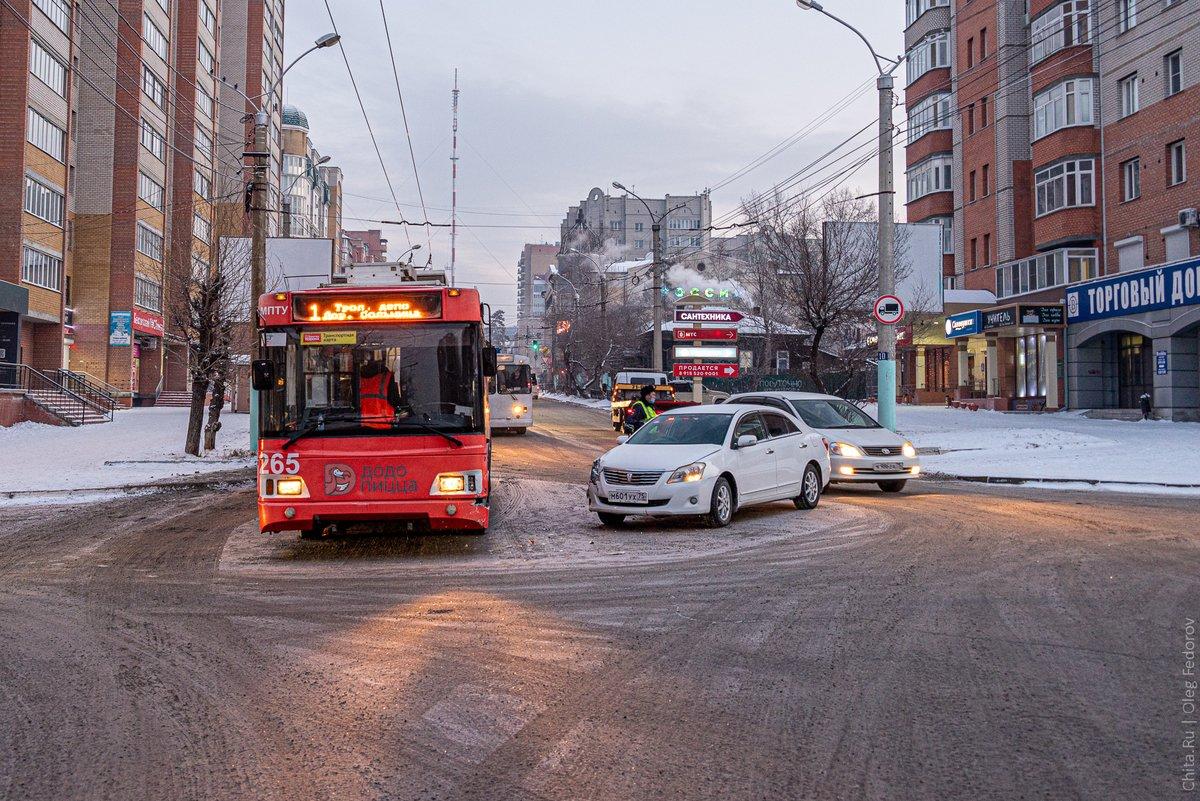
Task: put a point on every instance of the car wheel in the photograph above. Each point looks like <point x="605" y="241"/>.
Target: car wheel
<point x="810" y="488"/>
<point x="611" y="520"/>
<point x="892" y="486"/>
<point x="720" y="511"/>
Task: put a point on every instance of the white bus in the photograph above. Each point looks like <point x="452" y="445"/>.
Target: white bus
<point x="511" y="395"/>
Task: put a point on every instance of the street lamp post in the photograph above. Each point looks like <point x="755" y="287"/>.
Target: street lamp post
<point x="885" y="364"/>
<point x="261" y="156"/>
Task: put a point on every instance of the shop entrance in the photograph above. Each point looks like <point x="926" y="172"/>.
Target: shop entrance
<point x="1135" y="370"/>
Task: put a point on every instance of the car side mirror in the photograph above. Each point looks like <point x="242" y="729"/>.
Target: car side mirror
<point x="747" y="441"/>
<point x="262" y="375"/>
<point x="489" y="361"/>
<point x="621" y="440"/>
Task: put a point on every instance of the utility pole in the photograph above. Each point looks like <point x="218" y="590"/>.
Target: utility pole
<point x="454" y="177"/>
<point x="258" y="250"/>
<point x="656" y="271"/>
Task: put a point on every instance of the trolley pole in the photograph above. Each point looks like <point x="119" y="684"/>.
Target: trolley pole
<point x="885" y="365"/>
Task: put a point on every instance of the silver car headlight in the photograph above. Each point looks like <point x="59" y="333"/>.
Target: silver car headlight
<point x="595" y="479"/>
<point x="688" y="473"/>
<point x="847" y="450"/>
<point x="908" y="450"/>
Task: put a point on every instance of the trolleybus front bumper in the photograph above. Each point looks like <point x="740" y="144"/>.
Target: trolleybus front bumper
<point x="436" y="514"/>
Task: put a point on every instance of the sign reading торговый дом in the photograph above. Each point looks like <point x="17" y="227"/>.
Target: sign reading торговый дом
<point x="1169" y="287"/>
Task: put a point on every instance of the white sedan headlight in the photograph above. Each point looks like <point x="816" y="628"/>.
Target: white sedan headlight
<point x="595" y="479"/>
<point x="908" y="450"/>
<point x="847" y="450"/>
<point x="687" y="473"/>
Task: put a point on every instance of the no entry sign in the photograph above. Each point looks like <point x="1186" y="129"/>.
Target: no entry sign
<point x="706" y="316"/>
<point x="706" y="371"/>
<point x="720" y="334"/>
<point x="888" y="310"/>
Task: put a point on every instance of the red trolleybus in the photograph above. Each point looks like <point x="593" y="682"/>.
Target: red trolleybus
<point x="373" y="408"/>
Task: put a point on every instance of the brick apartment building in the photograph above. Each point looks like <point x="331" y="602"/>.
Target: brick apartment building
<point x="367" y="246"/>
<point x="1019" y="142"/>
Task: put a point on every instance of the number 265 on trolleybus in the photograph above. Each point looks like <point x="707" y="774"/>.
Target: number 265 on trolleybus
<point x="372" y="408"/>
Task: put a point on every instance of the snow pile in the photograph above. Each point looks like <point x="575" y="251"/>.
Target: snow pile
<point x="137" y="447"/>
<point x="591" y="403"/>
<point x="1063" y="445"/>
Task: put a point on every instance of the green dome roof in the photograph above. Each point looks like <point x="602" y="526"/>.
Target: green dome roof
<point x="294" y="117"/>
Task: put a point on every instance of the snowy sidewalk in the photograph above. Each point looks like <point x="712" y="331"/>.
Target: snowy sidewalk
<point x="1063" y="445"/>
<point x="590" y="403"/>
<point x="138" y="447"/>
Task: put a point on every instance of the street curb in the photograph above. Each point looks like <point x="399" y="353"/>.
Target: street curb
<point x="205" y="482"/>
<point x="1015" y="480"/>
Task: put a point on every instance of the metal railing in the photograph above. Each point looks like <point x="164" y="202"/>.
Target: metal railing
<point x="49" y="394"/>
<point x="102" y="395"/>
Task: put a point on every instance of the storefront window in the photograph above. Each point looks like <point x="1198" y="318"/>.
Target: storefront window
<point x="1031" y="357"/>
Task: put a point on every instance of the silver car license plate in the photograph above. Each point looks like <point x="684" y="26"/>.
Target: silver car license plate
<point x="627" y="496"/>
<point x="889" y="467"/>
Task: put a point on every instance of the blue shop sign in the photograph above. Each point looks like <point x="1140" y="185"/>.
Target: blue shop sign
<point x="963" y="324"/>
<point x="1168" y="287"/>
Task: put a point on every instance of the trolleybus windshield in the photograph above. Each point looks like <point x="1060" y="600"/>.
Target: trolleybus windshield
<point x="375" y="380"/>
<point x="513" y="378"/>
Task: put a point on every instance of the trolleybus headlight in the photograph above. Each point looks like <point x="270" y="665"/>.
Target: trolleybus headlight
<point x="518" y="409"/>
<point x="289" y="486"/>
<point x="467" y="482"/>
<point x="452" y="483"/>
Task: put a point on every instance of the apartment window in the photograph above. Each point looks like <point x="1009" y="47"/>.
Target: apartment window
<point x="1064" y="25"/>
<point x="59" y="12"/>
<point x="947" y="224"/>
<point x="1126" y="15"/>
<point x="930" y="114"/>
<point x="683" y="225"/>
<point x="970" y="52"/>
<point x="201" y="227"/>
<point x="982" y="44"/>
<point x="1129" y="95"/>
<point x="971" y="184"/>
<point x="1176" y="163"/>
<point x="202" y="184"/>
<point x="987" y="249"/>
<point x="639" y="244"/>
<point x="1173" y="72"/>
<point x="974" y="253"/>
<point x="149" y="242"/>
<point x="1131" y="179"/>
<point x="983" y="112"/>
<point x="154" y="88"/>
<point x="48" y="69"/>
<point x="46" y="136"/>
<point x="153" y="141"/>
<point x="1046" y="270"/>
<point x="43" y="201"/>
<point x="154" y="38"/>
<point x="206" y="58"/>
<point x="1061" y="106"/>
<point x="208" y="18"/>
<point x="147" y="293"/>
<point x="929" y="176"/>
<point x="1064" y="185"/>
<point x="970" y="118"/>
<point x="783" y="361"/>
<point x="204" y="143"/>
<point x="613" y="225"/>
<point x="204" y="102"/>
<point x="151" y="191"/>
<point x="41" y="268"/>
<point x="985" y="180"/>
<point x="929" y="53"/>
<point x="639" y="227"/>
<point x="913" y="9"/>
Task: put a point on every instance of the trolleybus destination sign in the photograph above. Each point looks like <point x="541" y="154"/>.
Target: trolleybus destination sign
<point x="375" y="307"/>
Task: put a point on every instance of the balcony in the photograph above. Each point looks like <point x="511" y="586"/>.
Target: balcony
<point x="1047" y="270"/>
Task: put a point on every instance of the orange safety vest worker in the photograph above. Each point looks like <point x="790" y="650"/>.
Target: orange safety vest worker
<point x="373" y="403"/>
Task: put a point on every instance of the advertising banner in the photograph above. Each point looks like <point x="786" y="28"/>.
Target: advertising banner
<point x="120" y="329"/>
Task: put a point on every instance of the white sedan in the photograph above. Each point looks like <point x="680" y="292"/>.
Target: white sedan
<point x="709" y="461"/>
<point x="862" y="451"/>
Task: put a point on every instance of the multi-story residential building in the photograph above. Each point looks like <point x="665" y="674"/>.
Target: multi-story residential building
<point x="310" y="205"/>
<point x="1134" y="331"/>
<point x="532" y="268"/>
<point x="367" y="246"/>
<point x="624" y="222"/>
<point x="37" y="109"/>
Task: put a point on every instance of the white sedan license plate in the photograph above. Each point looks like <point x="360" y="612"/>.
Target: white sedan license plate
<point x="627" y="496"/>
<point x="889" y="467"/>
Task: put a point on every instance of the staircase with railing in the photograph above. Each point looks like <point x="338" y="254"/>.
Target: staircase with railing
<point x="54" y="397"/>
<point x="103" y="395"/>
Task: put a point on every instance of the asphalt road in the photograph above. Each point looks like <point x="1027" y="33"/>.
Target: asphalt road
<point x="947" y="643"/>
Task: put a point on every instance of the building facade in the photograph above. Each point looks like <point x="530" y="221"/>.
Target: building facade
<point x="310" y="204"/>
<point x="367" y="246"/>
<point x="625" y="223"/>
<point x="532" y="269"/>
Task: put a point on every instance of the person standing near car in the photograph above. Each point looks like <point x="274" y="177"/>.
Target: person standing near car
<point x="643" y="409"/>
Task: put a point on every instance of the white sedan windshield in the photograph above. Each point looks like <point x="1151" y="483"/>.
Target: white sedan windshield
<point x="680" y="428"/>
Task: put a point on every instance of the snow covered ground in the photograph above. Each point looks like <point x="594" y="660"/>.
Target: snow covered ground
<point x="138" y="446"/>
<point x="1063" y="445"/>
<point x="591" y="403"/>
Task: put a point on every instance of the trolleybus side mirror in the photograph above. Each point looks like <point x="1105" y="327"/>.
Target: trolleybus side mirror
<point x="262" y="375"/>
<point x="489" y="361"/>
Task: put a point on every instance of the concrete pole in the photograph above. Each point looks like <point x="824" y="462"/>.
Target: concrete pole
<point x="656" y="269"/>
<point x="886" y="364"/>
<point x="1050" y="358"/>
<point x="258" y="253"/>
<point x="964" y="365"/>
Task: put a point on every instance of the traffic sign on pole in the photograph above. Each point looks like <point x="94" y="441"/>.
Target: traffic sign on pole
<point x="722" y="352"/>
<point x="720" y="334"/>
<point x="888" y="310"/>
<point x="706" y="371"/>
<point x="707" y="316"/>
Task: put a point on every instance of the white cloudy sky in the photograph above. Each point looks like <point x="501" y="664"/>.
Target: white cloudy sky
<point x="559" y="96"/>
